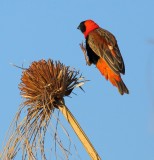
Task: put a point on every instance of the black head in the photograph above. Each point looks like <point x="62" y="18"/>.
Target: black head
<point x="82" y="27"/>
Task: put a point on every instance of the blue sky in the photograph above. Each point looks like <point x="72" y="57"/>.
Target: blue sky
<point x="120" y="127"/>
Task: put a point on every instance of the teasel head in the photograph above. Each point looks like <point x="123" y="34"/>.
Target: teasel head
<point x="45" y="84"/>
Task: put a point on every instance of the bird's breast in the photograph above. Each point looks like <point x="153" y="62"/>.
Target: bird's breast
<point x="93" y="57"/>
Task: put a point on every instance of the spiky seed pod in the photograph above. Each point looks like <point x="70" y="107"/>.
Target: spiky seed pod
<point x="43" y="87"/>
<point x="46" y="83"/>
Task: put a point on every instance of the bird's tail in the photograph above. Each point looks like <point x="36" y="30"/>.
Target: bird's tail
<point x="121" y="87"/>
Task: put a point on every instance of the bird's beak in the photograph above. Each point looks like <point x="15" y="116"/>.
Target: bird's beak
<point x="78" y="27"/>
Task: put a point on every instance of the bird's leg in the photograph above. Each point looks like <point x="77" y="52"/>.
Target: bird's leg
<point x="85" y="54"/>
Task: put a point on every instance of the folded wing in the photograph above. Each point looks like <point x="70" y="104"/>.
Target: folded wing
<point x="104" y="44"/>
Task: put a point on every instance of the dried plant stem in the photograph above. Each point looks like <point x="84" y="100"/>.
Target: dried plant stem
<point x="80" y="133"/>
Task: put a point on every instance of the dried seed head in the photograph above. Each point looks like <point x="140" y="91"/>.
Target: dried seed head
<point x="46" y="83"/>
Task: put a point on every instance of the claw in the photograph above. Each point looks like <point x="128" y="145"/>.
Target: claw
<point x="83" y="48"/>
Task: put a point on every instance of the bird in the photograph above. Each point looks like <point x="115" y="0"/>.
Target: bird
<point x="101" y="49"/>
